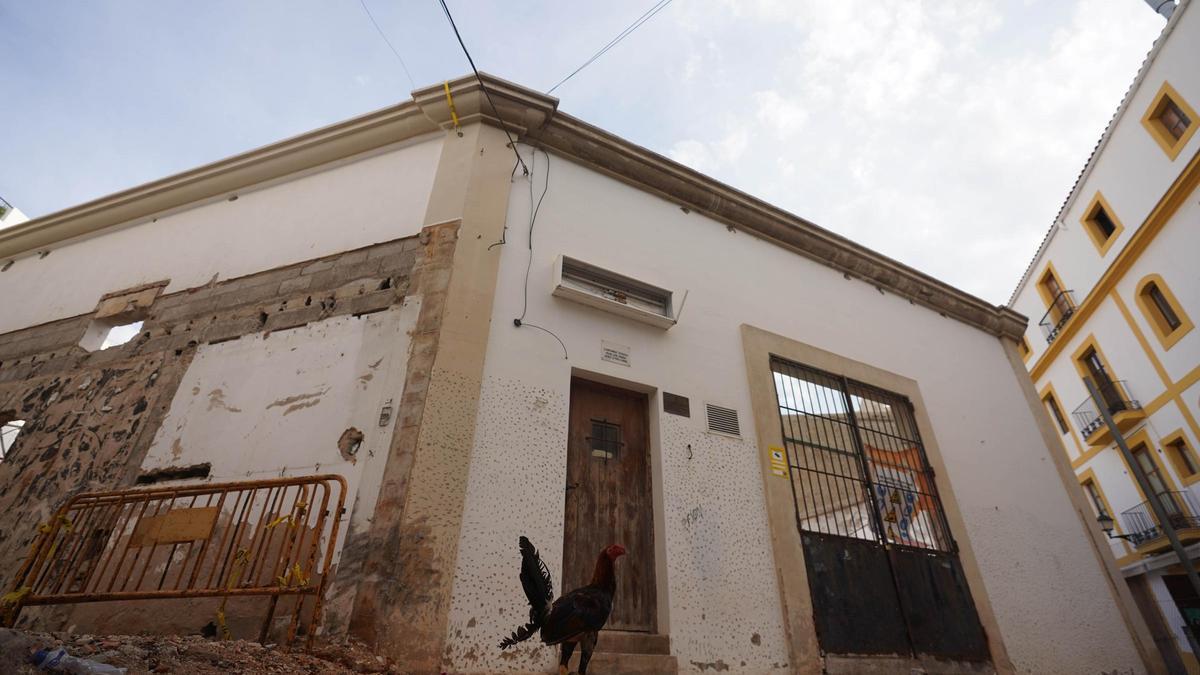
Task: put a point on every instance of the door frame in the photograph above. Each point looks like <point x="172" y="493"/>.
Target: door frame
<point x="662" y="619"/>
<point x="791" y="570"/>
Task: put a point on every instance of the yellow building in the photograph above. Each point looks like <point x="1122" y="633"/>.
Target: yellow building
<point x="1116" y="285"/>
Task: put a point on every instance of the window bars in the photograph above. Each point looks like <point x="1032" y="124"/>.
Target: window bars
<point x="857" y="465"/>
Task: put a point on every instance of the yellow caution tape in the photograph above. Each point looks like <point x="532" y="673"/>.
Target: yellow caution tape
<point x="225" y="634"/>
<point x="301" y="506"/>
<point x="450" y="101"/>
<point x="9" y="602"/>
<point x="294" y="577"/>
<point x="15" y="596"/>
<point x="239" y="563"/>
<point x="46" y="528"/>
<point x="301" y="579"/>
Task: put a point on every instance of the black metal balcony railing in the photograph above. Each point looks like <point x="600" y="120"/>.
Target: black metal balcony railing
<point x="1116" y="398"/>
<point x="1141" y="525"/>
<point x="1062" y="306"/>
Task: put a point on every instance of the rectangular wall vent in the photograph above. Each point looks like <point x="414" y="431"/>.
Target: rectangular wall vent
<point x="722" y="420"/>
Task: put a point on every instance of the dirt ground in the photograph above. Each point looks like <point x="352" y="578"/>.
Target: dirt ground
<point x="186" y="654"/>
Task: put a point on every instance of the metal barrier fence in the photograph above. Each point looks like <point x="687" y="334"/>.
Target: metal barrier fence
<point x="254" y="538"/>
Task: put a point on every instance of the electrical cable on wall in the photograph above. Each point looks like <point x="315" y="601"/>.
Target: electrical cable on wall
<point x="511" y="142"/>
<point x="534" y="208"/>
<point x="646" y="16"/>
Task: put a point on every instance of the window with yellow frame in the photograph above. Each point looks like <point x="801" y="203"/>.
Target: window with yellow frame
<point x="1170" y="120"/>
<point x="1101" y="223"/>
<point x="1182" y="456"/>
<point x="1162" y="311"/>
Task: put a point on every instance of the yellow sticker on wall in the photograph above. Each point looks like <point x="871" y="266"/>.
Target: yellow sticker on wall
<point x="778" y="461"/>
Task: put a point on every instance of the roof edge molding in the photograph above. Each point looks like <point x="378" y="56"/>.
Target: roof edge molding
<point x="533" y="118"/>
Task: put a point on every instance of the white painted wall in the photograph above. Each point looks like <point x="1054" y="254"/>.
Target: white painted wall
<point x="1172" y="255"/>
<point x="13" y="216"/>
<point x="1132" y="172"/>
<point x="374" y="198"/>
<point x="1040" y="573"/>
<point x="272" y="406"/>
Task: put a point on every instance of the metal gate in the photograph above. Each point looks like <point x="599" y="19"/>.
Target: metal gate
<point x="254" y="538"/>
<point x="882" y="565"/>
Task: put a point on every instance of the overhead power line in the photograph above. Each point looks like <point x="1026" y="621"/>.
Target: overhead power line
<point x="389" y="43"/>
<point x="646" y="16"/>
<point x="511" y="142"/>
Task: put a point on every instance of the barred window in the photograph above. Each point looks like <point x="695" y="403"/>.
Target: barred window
<point x="858" y="466"/>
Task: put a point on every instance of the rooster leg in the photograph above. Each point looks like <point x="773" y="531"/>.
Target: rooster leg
<point x="586" y="644"/>
<point x="564" y="662"/>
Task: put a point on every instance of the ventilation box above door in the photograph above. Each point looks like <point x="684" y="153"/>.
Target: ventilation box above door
<point x="615" y="293"/>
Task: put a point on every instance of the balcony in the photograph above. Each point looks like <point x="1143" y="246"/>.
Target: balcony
<point x="1124" y="409"/>
<point x="1144" y="531"/>
<point x="1062" y="308"/>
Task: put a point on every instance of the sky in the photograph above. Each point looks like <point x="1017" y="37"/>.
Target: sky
<point x="943" y="134"/>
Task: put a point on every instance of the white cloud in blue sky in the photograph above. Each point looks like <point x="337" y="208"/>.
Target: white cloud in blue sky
<point x="943" y="134"/>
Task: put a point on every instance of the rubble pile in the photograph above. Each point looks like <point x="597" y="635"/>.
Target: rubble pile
<point x="144" y="654"/>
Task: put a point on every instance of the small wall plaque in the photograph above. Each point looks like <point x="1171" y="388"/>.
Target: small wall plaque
<point x="676" y="404"/>
<point x="614" y="353"/>
<point x="778" y="461"/>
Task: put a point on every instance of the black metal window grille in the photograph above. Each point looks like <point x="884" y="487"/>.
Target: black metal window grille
<point x="605" y="440"/>
<point x="858" y="467"/>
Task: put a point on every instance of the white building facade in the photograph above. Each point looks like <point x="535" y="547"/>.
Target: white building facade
<point x="1115" y="285"/>
<point x="819" y="460"/>
<point x="10" y="215"/>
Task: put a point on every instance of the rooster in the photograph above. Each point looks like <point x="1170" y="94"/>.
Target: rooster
<point x="575" y="618"/>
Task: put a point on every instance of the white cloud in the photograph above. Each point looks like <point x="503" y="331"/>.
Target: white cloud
<point x="942" y="134"/>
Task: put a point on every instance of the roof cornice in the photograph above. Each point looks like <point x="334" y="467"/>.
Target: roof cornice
<point x="650" y="171"/>
<point x="533" y="118"/>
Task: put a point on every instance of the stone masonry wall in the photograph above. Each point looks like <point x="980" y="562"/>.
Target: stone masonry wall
<point x="91" y="416"/>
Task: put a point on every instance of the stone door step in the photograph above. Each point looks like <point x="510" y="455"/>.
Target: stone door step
<point x="611" y="663"/>
<point x="633" y="643"/>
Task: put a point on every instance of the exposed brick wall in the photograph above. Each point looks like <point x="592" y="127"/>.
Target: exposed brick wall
<point x="91" y="416"/>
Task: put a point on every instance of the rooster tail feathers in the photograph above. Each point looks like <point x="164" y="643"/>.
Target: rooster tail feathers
<point x="539" y="590"/>
<point x="535" y="579"/>
<point x="519" y="635"/>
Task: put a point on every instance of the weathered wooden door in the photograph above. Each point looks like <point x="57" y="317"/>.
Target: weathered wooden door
<point x="609" y="498"/>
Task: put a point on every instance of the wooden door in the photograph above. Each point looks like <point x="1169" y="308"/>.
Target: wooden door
<point x="608" y="498"/>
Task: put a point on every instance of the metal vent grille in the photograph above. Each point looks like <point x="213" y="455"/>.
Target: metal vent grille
<point x="723" y="420"/>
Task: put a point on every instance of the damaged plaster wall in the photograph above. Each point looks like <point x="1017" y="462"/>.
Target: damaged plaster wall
<point x="84" y="431"/>
<point x="343" y="206"/>
<point x="275" y="405"/>
<point x="283" y="353"/>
